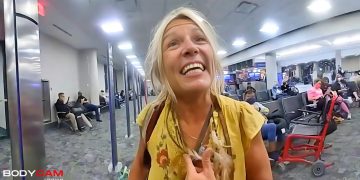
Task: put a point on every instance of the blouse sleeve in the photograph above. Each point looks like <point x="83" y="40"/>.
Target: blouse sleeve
<point x="251" y="122"/>
<point x="142" y="115"/>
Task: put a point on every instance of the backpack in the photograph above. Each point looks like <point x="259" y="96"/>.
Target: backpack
<point x="151" y="118"/>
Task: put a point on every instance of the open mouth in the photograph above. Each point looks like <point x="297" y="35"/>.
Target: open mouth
<point x="192" y="68"/>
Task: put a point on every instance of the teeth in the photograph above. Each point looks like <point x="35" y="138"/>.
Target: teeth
<point x="190" y="66"/>
<point x="194" y="71"/>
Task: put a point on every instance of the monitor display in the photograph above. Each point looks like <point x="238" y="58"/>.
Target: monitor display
<point x="227" y="77"/>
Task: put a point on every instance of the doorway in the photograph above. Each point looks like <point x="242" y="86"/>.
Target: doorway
<point x="4" y="125"/>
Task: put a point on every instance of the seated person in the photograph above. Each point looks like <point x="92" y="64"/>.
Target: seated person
<point x="122" y="94"/>
<point x="316" y="95"/>
<point x="315" y="92"/>
<point x="286" y="88"/>
<point x="78" y="109"/>
<point x="325" y="86"/>
<point x="276" y="92"/>
<point x="343" y="90"/>
<point x="269" y="130"/>
<point x="89" y="107"/>
<point x="249" y="87"/>
<point x="64" y="111"/>
<point x="102" y="98"/>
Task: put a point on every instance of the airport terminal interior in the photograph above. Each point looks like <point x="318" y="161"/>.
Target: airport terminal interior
<point x="88" y="57"/>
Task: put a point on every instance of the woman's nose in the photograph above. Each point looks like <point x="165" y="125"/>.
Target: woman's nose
<point x="190" y="48"/>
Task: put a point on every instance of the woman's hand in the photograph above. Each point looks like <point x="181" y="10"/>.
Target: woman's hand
<point x="206" y="173"/>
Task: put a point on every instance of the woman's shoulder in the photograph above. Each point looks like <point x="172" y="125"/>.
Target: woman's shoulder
<point x="142" y="115"/>
<point x="148" y="110"/>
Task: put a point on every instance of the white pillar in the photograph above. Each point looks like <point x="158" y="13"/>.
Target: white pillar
<point x="271" y="70"/>
<point x="315" y="71"/>
<point x="297" y="71"/>
<point x="88" y="73"/>
<point x="337" y="59"/>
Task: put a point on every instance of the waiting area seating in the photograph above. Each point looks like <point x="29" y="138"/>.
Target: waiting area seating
<point x="306" y="130"/>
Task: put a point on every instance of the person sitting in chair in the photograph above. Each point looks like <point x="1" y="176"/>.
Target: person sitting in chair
<point x="63" y="111"/>
<point x="343" y="89"/>
<point x="271" y="130"/>
<point x="88" y="106"/>
<point x="286" y="88"/>
<point x="102" y="98"/>
<point x="78" y="109"/>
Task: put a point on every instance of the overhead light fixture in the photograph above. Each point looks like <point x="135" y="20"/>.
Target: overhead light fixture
<point x="319" y="6"/>
<point x="269" y="28"/>
<point x="298" y="50"/>
<point x="131" y="57"/>
<point x="239" y="42"/>
<point x="125" y="46"/>
<point x="135" y="63"/>
<point x="346" y="40"/>
<point x="112" y="27"/>
<point x="221" y="52"/>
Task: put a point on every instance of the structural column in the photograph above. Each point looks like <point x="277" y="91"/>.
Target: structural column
<point x="315" y="71"/>
<point x="271" y="70"/>
<point x="337" y="59"/>
<point x="297" y="71"/>
<point x="88" y="73"/>
<point x="23" y="74"/>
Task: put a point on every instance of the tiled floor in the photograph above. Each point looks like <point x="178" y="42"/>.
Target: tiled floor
<point x="88" y="156"/>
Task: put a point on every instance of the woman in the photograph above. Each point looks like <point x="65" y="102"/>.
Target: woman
<point x="325" y="87"/>
<point x="186" y="72"/>
<point x="315" y="92"/>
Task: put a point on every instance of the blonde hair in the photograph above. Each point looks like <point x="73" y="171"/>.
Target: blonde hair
<point x="154" y="61"/>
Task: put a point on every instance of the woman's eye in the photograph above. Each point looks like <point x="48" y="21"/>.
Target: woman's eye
<point x="201" y="39"/>
<point x="172" y="43"/>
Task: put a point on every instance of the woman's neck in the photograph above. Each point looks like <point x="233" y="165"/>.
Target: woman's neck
<point x="193" y="109"/>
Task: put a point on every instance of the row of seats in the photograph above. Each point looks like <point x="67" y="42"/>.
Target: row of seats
<point x="288" y="108"/>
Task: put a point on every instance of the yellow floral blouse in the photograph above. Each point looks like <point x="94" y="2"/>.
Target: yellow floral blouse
<point x="243" y="123"/>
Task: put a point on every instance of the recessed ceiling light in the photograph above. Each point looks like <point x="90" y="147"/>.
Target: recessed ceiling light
<point x="297" y="50"/>
<point x="319" y="6"/>
<point x="346" y="40"/>
<point x="221" y="52"/>
<point x="239" y="42"/>
<point x="269" y="28"/>
<point x="131" y="57"/>
<point x="112" y="27"/>
<point x="135" y="62"/>
<point x="125" y="46"/>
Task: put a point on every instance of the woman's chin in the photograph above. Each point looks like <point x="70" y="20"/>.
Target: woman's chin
<point x="196" y="88"/>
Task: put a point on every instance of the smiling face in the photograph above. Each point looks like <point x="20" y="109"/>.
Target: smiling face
<point x="187" y="56"/>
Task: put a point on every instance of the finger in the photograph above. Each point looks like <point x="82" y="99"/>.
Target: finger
<point x="206" y="158"/>
<point x="189" y="165"/>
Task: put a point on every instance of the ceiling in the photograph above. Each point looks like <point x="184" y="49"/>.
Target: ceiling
<point x="81" y="19"/>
